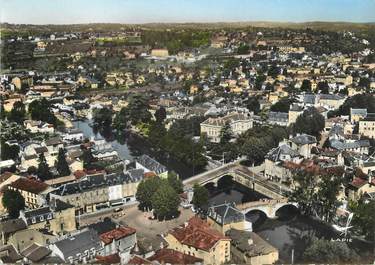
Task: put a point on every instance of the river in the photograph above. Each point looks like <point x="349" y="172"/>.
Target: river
<point x="290" y="231"/>
<point x="131" y="146"/>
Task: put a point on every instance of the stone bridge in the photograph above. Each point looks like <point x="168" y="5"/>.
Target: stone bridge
<point x="268" y="207"/>
<point x="242" y="175"/>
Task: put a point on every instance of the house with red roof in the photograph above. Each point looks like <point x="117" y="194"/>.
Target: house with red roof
<point x="196" y="238"/>
<point x="34" y="191"/>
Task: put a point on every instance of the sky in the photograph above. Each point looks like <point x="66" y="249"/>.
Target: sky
<point x="146" y="11"/>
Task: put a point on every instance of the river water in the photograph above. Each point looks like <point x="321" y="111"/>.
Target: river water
<point x="289" y="232"/>
<point x="131" y="146"/>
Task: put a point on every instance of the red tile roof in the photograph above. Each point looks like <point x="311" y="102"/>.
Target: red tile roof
<point x="197" y="233"/>
<point x="117" y="234"/>
<point x="30" y="185"/>
<point x="358" y="182"/>
<point x="171" y="256"/>
<point x="138" y="260"/>
<point x="110" y="259"/>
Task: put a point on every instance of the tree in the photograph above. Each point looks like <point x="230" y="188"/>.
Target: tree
<point x="283" y="105"/>
<point x="102" y="117"/>
<point x="160" y="114"/>
<point x="145" y="191"/>
<point x="175" y="182"/>
<point x="325" y="251"/>
<point x="40" y="110"/>
<point x="61" y="164"/>
<point x="18" y="112"/>
<point x="43" y="168"/>
<point x="200" y="197"/>
<point x="9" y="151"/>
<point x="273" y="71"/>
<point x="165" y="201"/>
<point x="243" y="49"/>
<point x="13" y="201"/>
<point x="328" y="189"/>
<point x="306" y="85"/>
<point x="303" y="192"/>
<point x="253" y="105"/>
<point x="364" y="218"/>
<point x="310" y="122"/>
<point x="323" y="87"/>
<point x="121" y="120"/>
<point x="226" y="134"/>
<point x="138" y="109"/>
<point x="87" y="158"/>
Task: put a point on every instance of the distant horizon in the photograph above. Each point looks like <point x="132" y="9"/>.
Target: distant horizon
<point x="194" y="22"/>
<point x="73" y="12"/>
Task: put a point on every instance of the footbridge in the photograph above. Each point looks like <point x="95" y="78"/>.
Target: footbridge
<point x="268" y="207"/>
<point x="242" y="175"/>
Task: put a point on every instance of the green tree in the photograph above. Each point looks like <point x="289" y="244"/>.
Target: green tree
<point x="253" y="105"/>
<point x="43" y="168"/>
<point x="283" y="105"/>
<point x="102" y="117"/>
<point x="226" y="134"/>
<point x="243" y="49"/>
<point x="121" y="120"/>
<point x="200" y="197"/>
<point x="9" y="151"/>
<point x="304" y="192"/>
<point x="61" y="164"/>
<point x="87" y="158"/>
<point x="325" y="251"/>
<point x="145" y="191"/>
<point x="138" y="109"/>
<point x="329" y="187"/>
<point x="306" y="85"/>
<point x="175" y="182"/>
<point x="160" y="114"/>
<point x="310" y="122"/>
<point x="165" y="201"/>
<point x="323" y="87"/>
<point x="18" y="112"/>
<point x="13" y="201"/>
<point x="40" y="110"/>
<point x="364" y="218"/>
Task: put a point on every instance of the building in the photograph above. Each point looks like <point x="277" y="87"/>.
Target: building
<point x="21" y="82"/>
<point x="98" y="191"/>
<point x="80" y="247"/>
<point x="149" y="164"/>
<point x="170" y="256"/>
<point x="357" y="114"/>
<point x="367" y="127"/>
<point x="225" y="217"/>
<point x="238" y="122"/>
<point x="58" y="218"/>
<point x="278" y="118"/>
<point x="196" y="238"/>
<point x="303" y="143"/>
<point x="159" y="53"/>
<point x="32" y="190"/>
<point x="119" y="240"/>
<point x="294" y="113"/>
<point x="249" y="248"/>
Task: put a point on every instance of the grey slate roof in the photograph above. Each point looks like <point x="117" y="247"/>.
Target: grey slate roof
<point x="340" y="145"/>
<point x="151" y="164"/>
<point x="275" y="153"/>
<point x="78" y="243"/>
<point x="225" y="214"/>
<point x="303" y="139"/>
<point x="278" y="116"/>
<point x="249" y="243"/>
